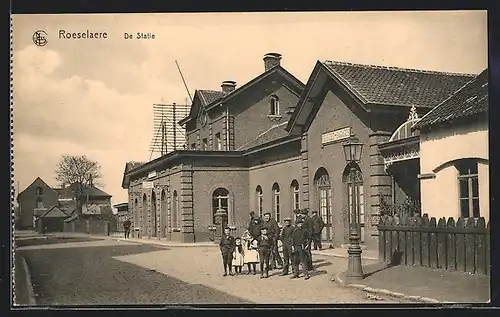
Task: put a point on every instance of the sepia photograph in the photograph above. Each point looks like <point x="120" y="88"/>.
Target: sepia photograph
<point x="250" y="158"/>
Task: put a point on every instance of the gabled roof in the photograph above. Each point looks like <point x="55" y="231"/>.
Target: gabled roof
<point x="397" y="86"/>
<point x="201" y="98"/>
<point x="469" y="100"/>
<point x="36" y="179"/>
<point x="129" y="166"/>
<point x="54" y="212"/>
<point x="379" y="85"/>
<point x="91" y="191"/>
<point x="274" y="133"/>
<point x="296" y="85"/>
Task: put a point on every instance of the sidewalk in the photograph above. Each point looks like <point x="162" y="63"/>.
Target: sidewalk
<point x="423" y="284"/>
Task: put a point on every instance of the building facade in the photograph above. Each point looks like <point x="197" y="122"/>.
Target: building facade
<point x="455" y="182"/>
<point x="276" y="145"/>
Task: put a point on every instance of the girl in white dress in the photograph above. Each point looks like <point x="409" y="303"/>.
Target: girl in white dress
<point x="238" y="254"/>
<point x="252" y="256"/>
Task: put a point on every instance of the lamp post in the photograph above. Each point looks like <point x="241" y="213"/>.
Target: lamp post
<point x="352" y="152"/>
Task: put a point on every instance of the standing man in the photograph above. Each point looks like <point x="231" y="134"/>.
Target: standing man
<point x="227" y="245"/>
<point x="308" y="226"/>
<point x="273" y="231"/>
<point x="286" y="238"/>
<point x="299" y="239"/>
<point x="317" y="229"/>
<point x="126" y="228"/>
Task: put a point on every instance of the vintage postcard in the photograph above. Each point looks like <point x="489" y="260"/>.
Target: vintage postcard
<point x="250" y="158"/>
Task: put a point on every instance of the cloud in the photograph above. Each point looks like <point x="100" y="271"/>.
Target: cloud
<point x="75" y="116"/>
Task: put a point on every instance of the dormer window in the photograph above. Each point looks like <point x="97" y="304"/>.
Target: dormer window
<point x="274" y="106"/>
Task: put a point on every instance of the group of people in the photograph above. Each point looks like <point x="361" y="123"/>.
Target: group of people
<point x="259" y="245"/>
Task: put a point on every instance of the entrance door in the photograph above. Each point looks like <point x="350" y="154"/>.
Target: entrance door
<point x="324" y="196"/>
<point x="360" y="202"/>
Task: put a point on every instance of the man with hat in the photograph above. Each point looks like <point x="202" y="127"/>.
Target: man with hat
<point x="317" y="228"/>
<point x="273" y="231"/>
<point x="286" y="238"/>
<point x="308" y="226"/>
<point x="299" y="239"/>
<point x="254" y="226"/>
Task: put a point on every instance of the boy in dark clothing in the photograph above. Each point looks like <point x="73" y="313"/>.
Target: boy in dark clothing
<point x="227" y="244"/>
<point x="300" y="238"/>
<point x="126" y="228"/>
<point x="286" y="238"/>
<point x="317" y="227"/>
<point x="265" y="244"/>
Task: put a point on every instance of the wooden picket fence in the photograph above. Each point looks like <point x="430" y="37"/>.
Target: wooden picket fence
<point x="463" y="245"/>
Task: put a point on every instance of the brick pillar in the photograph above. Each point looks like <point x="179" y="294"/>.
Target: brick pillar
<point x="148" y="222"/>
<point x="169" y="209"/>
<point x="305" y="172"/>
<point x="231" y="132"/>
<point x="210" y="137"/>
<point x="380" y="181"/>
<point x="186" y="204"/>
<point x="158" y="213"/>
<point x="198" y="141"/>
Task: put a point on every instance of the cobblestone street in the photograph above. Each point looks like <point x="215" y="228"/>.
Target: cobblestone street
<point x="116" y="272"/>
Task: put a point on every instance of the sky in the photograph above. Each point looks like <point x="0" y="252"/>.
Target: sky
<point x="94" y="97"/>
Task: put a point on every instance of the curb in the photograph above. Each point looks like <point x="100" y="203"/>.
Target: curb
<point x="29" y="285"/>
<point x="166" y="245"/>
<point x="345" y="256"/>
<point x="380" y="291"/>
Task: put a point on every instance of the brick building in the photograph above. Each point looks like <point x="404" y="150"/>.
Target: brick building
<point x="275" y="145"/>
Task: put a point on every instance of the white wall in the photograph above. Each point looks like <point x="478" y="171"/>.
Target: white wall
<point x="438" y="150"/>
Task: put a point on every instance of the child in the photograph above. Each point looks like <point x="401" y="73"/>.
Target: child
<point x="251" y="257"/>
<point x="265" y="244"/>
<point x="238" y="256"/>
<point x="226" y="246"/>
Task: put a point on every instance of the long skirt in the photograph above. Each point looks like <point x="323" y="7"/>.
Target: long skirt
<point x="237" y="258"/>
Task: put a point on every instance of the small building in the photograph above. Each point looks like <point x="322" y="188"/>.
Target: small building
<point x="51" y="221"/>
<point x="34" y="201"/>
<point x="454" y="154"/>
<point x="121" y="215"/>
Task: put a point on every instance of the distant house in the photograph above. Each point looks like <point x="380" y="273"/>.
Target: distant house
<point x="39" y="197"/>
<point x="51" y="221"/>
<point x="34" y="201"/>
<point x="122" y="215"/>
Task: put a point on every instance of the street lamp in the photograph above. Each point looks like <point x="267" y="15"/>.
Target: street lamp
<point x="352" y="152"/>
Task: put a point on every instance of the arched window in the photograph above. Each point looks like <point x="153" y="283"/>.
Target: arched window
<point x="468" y="182"/>
<point x="259" y="194"/>
<point x="39" y="191"/>
<point x="276" y="202"/>
<point x="220" y="200"/>
<point x="144" y="214"/>
<point x="39" y="203"/>
<point x="274" y="106"/>
<point x="176" y="224"/>
<point x="295" y="194"/>
<point x="324" y="199"/>
<point x="137" y="215"/>
<point x="154" y="222"/>
<point x="357" y="186"/>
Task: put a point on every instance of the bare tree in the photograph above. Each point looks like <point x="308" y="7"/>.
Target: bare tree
<point x="79" y="172"/>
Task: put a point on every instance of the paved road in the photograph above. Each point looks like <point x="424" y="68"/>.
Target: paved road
<point x="90" y="275"/>
<point x="104" y="272"/>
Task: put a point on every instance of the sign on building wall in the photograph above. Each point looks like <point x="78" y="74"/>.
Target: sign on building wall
<point x="152" y="174"/>
<point x="147" y="185"/>
<point x="336" y="135"/>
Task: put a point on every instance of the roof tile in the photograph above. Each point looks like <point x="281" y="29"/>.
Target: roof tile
<point x="397" y="86"/>
<point x="209" y="96"/>
<point x="471" y="99"/>
<point x="274" y="133"/>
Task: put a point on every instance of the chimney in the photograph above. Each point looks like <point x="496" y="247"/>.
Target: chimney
<point x="271" y="60"/>
<point x="228" y="86"/>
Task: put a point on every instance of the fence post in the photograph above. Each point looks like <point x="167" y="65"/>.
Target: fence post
<point x="87" y="226"/>
<point x="451" y="248"/>
<point x="425" y="241"/>
<point x="410" y="250"/>
<point x="441" y="243"/>
<point x="381" y="239"/>
<point x="481" y="246"/>
<point x="460" y="245"/>
<point x="417" y="242"/>
<point x="470" y="241"/>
